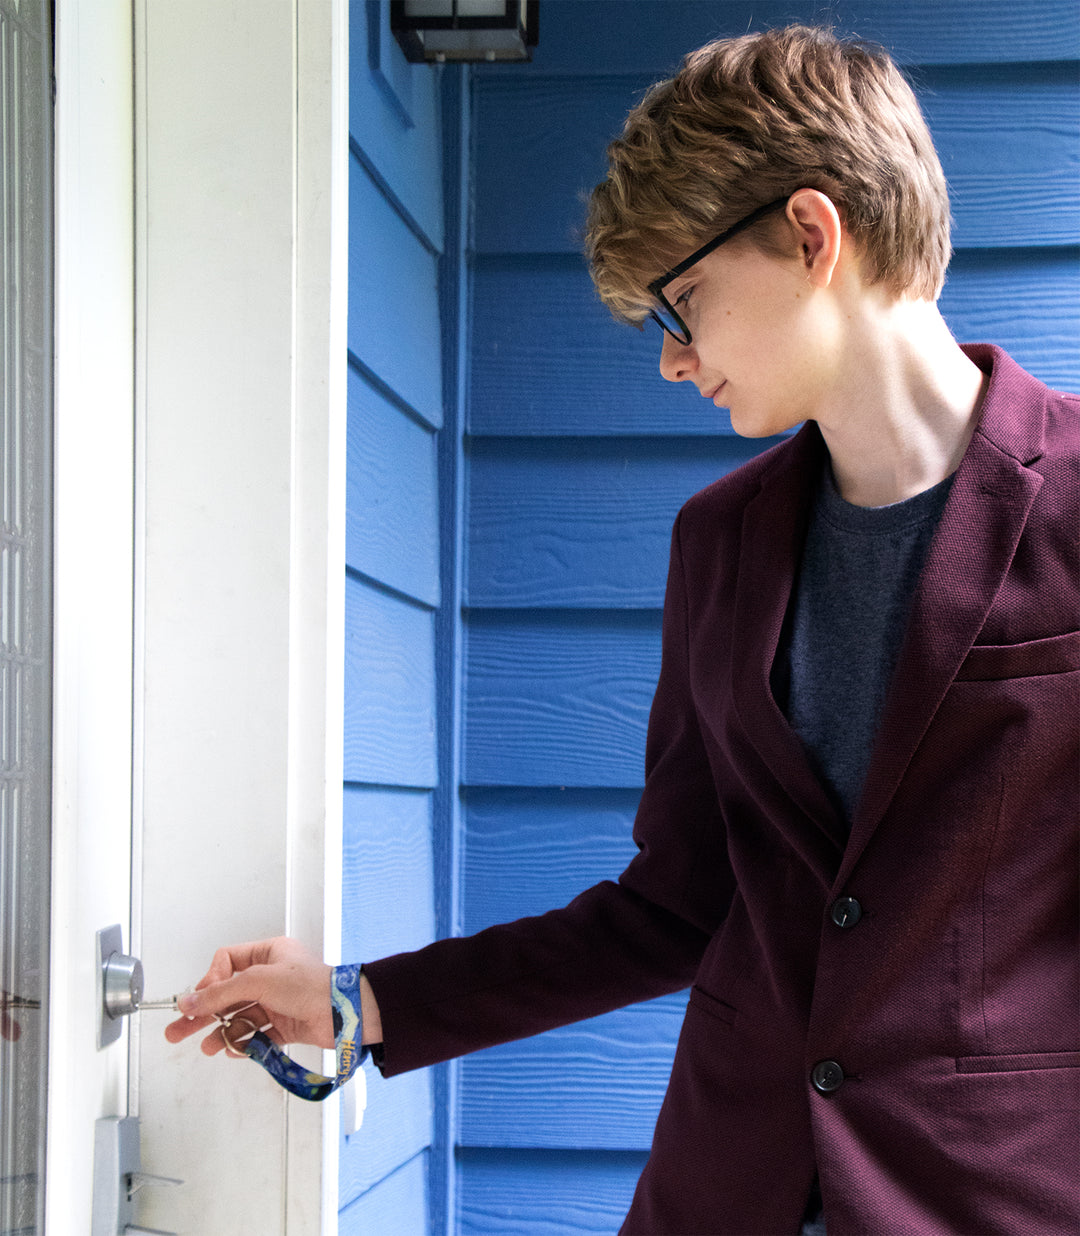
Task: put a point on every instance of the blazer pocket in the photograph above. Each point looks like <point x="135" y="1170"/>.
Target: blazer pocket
<point x="1018" y="1064"/>
<point x="719" y="1009"/>
<point x="1057" y="654"/>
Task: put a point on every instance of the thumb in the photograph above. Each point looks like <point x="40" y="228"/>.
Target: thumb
<point x="246" y="987"/>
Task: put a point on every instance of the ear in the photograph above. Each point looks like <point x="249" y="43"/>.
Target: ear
<point x="818" y="233"/>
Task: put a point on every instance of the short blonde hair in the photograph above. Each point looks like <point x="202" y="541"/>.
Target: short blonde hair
<point x="753" y="118"/>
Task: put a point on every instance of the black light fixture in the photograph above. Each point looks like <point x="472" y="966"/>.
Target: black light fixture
<point x="465" y="30"/>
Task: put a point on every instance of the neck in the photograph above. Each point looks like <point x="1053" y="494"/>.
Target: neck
<point x="903" y="411"/>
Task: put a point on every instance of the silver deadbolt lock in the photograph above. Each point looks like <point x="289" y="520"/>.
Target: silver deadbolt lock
<point x="120" y="982"/>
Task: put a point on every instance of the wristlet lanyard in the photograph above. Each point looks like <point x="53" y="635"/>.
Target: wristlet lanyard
<point x="348" y="1033"/>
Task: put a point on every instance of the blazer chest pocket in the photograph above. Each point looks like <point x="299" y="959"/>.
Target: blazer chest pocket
<point x="1018" y="1064"/>
<point x="1058" y="654"/>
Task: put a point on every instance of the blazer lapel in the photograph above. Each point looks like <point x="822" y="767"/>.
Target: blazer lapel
<point x="773" y="531"/>
<point x="988" y="506"/>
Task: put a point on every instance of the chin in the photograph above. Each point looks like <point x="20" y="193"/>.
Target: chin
<point x="758" y="422"/>
<point x="749" y="426"/>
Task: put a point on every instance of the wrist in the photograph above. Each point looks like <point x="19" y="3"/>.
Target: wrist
<point x="369" y="1007"/>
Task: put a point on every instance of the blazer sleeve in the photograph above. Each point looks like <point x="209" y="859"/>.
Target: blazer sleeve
<point x="616" y="943"/>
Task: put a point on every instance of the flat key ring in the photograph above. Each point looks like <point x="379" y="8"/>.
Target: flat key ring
<point x="228" y="1033"/>
<point x="228" y="1020"/>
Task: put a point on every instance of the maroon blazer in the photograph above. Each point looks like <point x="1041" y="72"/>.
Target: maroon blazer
<point x="897" y="1010"/>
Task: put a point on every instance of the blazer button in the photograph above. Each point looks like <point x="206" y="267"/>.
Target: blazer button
<point x="845" y="912"/>
<point x="826" y="1077"/>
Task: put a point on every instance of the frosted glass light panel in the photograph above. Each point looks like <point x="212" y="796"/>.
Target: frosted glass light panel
<point x="25" y="603"/>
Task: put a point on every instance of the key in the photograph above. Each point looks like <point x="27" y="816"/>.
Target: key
<point x="169" y="1002"/>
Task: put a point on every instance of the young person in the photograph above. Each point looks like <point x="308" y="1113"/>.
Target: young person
<point x="857" y="837"/>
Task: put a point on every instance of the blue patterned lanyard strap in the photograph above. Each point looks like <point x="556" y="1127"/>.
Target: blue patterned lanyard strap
<point x="348" y="1032"/>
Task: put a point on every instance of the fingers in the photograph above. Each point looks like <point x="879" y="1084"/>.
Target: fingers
<point x="243" y="1023"/>
<point x="212" y="998"/>
<point x="233" y="981"/>
<point x="288" y="982"/>
<point x="227" y="962"/>
<point x="234" y="958"/>
<point x="185" y="1027"/>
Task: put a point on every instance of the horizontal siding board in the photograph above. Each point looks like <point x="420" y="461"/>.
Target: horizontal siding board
<point x="590" y="376"/>
<point x="387" y="872"/>
<point x="559" y="698"/>
<point x="389" y="689"/>
<point x="576" y="36"/>
<point x="1026" y="300"/>
<point x="541" y="142"/>
<point x="397" y="1206"/>
<point x="401" y="138"/>
<point x="586" y="521"/>
<point x="959" y="32"/>
<point x="545" y="1193"/>
<point x="539" y="150"/>
<point x="524" y="852"/>
<point x="391" y="517"/>
<point x="597" y="1084"/>
<point x="547" y="358"/>
<point x="1010" y="148"/>
<point x="394" y="326"/>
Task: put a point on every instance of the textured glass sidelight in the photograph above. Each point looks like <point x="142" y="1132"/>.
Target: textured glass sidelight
<point x="25" y="603"/>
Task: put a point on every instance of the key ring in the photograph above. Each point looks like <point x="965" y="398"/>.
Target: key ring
<point x="230" y="1020"/>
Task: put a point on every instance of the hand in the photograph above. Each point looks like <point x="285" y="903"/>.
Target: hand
<point x="287" y="984"/>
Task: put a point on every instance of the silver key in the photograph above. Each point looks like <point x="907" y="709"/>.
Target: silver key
<point x="168" y="1003"/>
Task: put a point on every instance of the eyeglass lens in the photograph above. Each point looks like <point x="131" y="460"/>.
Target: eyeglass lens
<point x="663" y="315"/>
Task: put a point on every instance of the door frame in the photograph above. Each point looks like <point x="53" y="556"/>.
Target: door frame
<point x="93" y="423"/>
<point x="227" y="599"/>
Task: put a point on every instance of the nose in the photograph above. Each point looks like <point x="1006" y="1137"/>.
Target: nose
<point x="678" y="360"/>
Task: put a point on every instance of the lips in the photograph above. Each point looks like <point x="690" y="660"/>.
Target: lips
<point x="714" y="392"/>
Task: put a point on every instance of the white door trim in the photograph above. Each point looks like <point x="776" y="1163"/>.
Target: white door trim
<point x="241" y="158"/>
<point x="92" y="563"/>
<point x="317" y="548"/>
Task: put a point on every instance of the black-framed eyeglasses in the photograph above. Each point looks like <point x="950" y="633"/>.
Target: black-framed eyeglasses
<point x="665" y="313"/>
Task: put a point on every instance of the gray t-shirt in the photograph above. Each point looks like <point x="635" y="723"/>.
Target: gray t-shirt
<point x="845" y="625"/>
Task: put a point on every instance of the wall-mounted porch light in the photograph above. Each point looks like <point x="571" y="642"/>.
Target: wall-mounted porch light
<point x="465" y="30"/>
